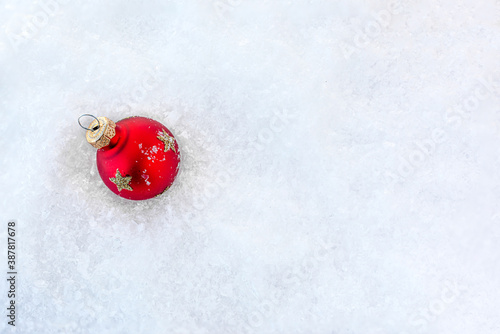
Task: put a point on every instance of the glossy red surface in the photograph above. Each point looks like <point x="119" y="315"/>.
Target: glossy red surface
<point x="136" y="152"/>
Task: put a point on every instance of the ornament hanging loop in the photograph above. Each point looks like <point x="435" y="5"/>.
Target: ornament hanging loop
<point x="95" y="127"/>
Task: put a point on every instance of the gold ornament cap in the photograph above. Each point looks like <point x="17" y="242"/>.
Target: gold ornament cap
<point x="100" y="132"/>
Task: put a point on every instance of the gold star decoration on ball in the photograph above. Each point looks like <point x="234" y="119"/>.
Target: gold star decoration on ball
<point x="168" y="141"/>
<point x="121" y="182"/>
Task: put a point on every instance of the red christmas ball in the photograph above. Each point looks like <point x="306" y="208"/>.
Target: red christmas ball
<point x="140" y="160"/>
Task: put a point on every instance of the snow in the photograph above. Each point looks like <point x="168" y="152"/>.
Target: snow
<point x="339" y="166"/>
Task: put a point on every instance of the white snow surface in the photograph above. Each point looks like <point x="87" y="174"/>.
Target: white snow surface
<point x="340" y="166"/>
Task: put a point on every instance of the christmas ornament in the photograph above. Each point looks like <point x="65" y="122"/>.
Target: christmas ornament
<point x="137" y="157"/>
